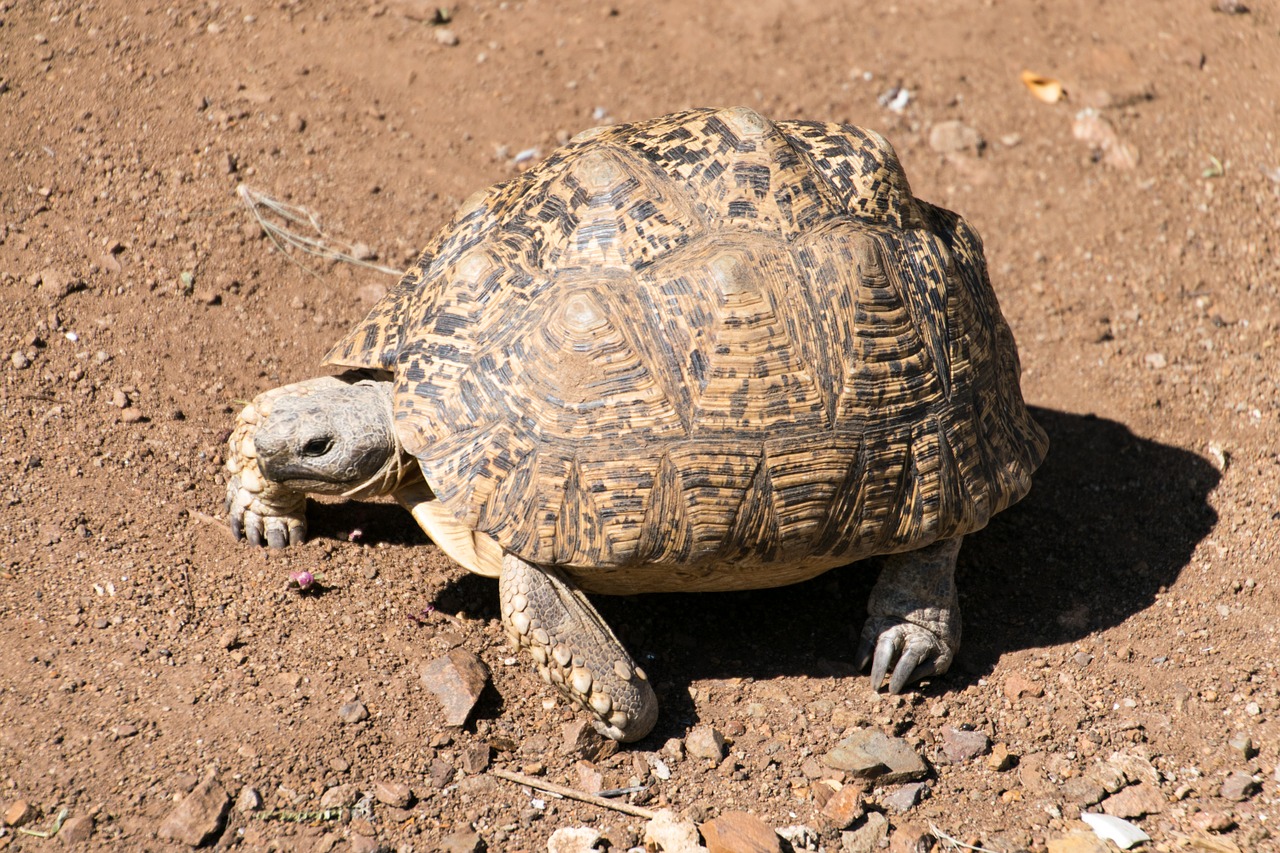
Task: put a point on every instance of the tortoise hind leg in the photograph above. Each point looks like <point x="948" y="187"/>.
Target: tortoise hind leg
<point x="574" y="648"/>
<point x="913" y="622"/>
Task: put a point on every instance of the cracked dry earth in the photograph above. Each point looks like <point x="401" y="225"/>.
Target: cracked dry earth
<point x="159" y="685"/>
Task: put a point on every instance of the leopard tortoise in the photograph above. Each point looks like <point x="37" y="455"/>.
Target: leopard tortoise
<point x="701" y="352"/>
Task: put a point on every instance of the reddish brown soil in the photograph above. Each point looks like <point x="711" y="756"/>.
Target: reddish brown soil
<point x="1135" y="587"/>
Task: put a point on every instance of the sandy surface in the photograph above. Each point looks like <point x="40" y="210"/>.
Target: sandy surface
<point x="1122" y="616"/>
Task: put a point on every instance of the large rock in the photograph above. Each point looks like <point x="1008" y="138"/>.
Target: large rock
<point x="871" y="754"/>
<point x="669" y="834"/>
<point x="457" y="680"/>
<point x="200" y="817"/>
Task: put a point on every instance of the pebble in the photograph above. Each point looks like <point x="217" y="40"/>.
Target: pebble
<point x="353" y="712"/>
<point x="440" y="772"/>
<point x="705" y="742"/>
<point x="394" y="794"/>
<point x="447" y="37"/>
<point x="475" y="757"/>
<point x="906" y="797"/>
<point x="581" y="740"/>
<point x="960" y="746"/>
<point x="1135" y="768"/>
<point x="366" y="844"/>
<point x="456" y="679"/>
<point x="1239" y="786"/>
<point x="1000" y="758"/>
<point x="249" y="800"/>
<point x="19" y="360"/>
<point x="1135" y="801"/>
<point x="19" y="813"/>
<point x="871" y="754"/>
<point x="1212" y="821"/>
<point x="669" y="834"/>
<point x="909" y="838"/>
<point x="740" y="832"/>
<point x="952" y="137"/>
<point x="867" y="838"/>
<point x="199" y="818"/>
<point x="76" y="831"/>
<point x="459" y="842"/>
<point x="339" y="797"/>
<point x="1083" y="791"/>
<point x="1242" y="745"/>
<point x="1100" y="134"/>
<point x="1016" y="686"/>
<point x="590" y="779"/>
<point x="574" y="839"/>
<point x="1155" y="360"/>
<point x="844" y="807"/>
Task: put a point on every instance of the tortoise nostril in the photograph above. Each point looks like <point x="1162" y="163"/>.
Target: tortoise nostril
<point x="318" y="446"/>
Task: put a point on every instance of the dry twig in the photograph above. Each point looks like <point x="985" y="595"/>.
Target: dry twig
<point x="573" y="794"/>
<point x="271" y="211"/>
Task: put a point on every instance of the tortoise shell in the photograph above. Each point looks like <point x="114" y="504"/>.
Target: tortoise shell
<point x="706" y="351"/>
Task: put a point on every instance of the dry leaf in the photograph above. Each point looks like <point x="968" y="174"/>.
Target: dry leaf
<point x="1044" y="88"/>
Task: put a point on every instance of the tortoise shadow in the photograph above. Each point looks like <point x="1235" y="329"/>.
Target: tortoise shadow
<point x="1112" y="518"/>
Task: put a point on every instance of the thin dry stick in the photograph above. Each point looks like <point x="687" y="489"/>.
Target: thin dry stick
<point x="955" y="843"/>
<point x="321" y="245"/>
<point x="573" y="794"/>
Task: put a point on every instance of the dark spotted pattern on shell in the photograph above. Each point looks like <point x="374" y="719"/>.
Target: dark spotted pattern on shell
<point x="706" y="351"/>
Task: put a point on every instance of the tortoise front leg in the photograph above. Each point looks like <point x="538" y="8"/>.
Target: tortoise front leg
<point x="575" y="650"/>
<point x="914" y="616"/>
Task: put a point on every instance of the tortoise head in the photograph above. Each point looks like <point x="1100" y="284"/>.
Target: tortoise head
<point x="331" y="440"/>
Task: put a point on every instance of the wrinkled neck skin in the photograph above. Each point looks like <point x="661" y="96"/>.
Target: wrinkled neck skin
<point x="335" y="438"/>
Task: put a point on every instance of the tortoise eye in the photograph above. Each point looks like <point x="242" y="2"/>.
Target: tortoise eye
<point x="317" y="446"/>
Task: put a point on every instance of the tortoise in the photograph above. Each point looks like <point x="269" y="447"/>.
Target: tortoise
<point x="701" y="352"/>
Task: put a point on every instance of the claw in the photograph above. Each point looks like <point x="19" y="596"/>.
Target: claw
<point x="297" y="534"/>
<point x="275" y="537"/>
<point x="886" y="650"/>
<point x="903" y="652"/>
<point x="237" y="526"/>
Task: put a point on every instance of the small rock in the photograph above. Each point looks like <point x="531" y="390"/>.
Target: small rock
<point x="353" y="712"/>
<point x="909" y="838"/>
<point x="1083" y="791"/>
<point x="799" y="836"/>
<point x="1000" y="759"/>
<point x="1229" y="7"/>
<point x="906" y="797"/>
<point x="249" y="800"/>
<point x="20" y="813"/>
<point x="19" y="360"/>
<point x="1016" y="686"/>
<point x="590" y="779"/>
<point x="581" y="740"/>
<point x="394" y="794"/>
<point x="440" y="773"/>
<point x="229" y="638"/>
<point x="576" y="839"/>
<point x="740" y="832"/>
<point x="871" y="754"/>
<point x="76" y="831"/>
<point x="366" y="844"/>
<point x="705" y="742"/>
<point x="844" y="807"/>
<point x="1100" y="135"/>
<point x="457" y="679"/>
<point x="199" y="818"/>
<point x="1242" y="745"/>
<point x="339" y="797"/>
<point x="867" y="838"/>
<point x="953" y="137"/>
<point x="960" y="746"/>
<point x="446" y="37"/>
<point x="475" y="757"/>
<point x="670" y="834"/>
<point x="1212" y="821"/>
<point x="1135" y="768"/>
<point x="1239" y="787"/>
<point x="459" y="842"/>
<point x="1135" y="801"/>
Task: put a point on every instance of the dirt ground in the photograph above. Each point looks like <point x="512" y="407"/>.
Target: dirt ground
<point x="1122" y="616"/>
